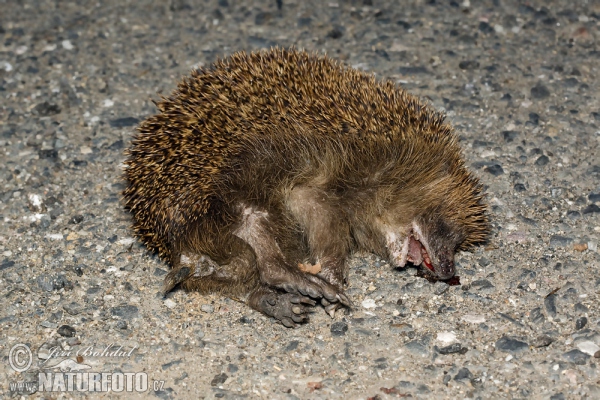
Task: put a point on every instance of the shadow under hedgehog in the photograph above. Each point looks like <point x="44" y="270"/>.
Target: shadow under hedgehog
<point x="261" y="174"/>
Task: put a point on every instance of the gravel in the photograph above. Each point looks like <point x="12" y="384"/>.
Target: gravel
<point x="519" y="81"/>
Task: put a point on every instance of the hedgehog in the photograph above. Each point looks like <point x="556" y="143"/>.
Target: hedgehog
<point x="262" y="174"/>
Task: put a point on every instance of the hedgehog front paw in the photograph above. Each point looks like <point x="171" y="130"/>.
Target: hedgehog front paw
<point x="315" y="287"/>
<point x="289" y="309"/>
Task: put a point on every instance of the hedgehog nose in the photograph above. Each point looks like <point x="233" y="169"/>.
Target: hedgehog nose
<point x="446" y="266"/>
<point x="446" y="269"/>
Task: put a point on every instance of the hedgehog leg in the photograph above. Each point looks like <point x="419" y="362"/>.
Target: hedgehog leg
<point x="236" y="276"/>
<point x="257" y="230"/>
<point x="327" y="231"/>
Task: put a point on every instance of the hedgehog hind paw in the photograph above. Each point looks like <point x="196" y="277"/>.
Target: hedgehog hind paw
<point x="174" y="278"/>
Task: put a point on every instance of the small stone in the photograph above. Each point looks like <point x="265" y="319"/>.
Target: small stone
<point x="537" y="316"/>
<point x="207" y="308"/>
<point x="581" y="308"/>
<point x="510" y="345"/>
<point x="45" y="282"/>
<point x="495" y="170"/>
<point x="46" y="109"/>
<point x="540" y="91"/>
<point x="509" y="136"/>
<point x="336" y="33"/>
<point x="121" y="324"/>
<point x="453" y="348"/>
<point x="594" y="197"/>
<point x="580" y="323"/>
<point x="413" y="70"/>
<point x="573" y="215"/>
<point x="418" y="347"/>
<point x="580" y="246"/>
<point x="72" y="308"/>
<point x="48" y="324"/>
<point x="519" y="187"/>
<point x="446" y="337"/>
<point x="473" y="318"/>
<point x="368" y="303"/>
<point x="483" y="285"/>
<point x="542" y="341"/>
<point x="76" y="219"/>
<point x="560" y="241"/>
<point x="168" y="365"/>
<point x="541" y="161"/>
<point x="339" y="328"/>
<point x="66" y="331"/>
<point x="219" y="379"/>
<point x="468" y="64"/>
<point x="550" y="304"/>
<point x="123" y="122"/>
<point x="534" y="118"/>
<point x="169" y="303"/>
<point x="591" y="209"/>
<point x="588" y="347"/>
<point x="576" y="356"/>
<point x="463" y="373"/>
<point x="440" y="287"/>
<point x="126" y="312"/>
<point x="485" y="27"/>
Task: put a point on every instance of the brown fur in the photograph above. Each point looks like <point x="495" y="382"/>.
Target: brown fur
<point x="269" y="159"/>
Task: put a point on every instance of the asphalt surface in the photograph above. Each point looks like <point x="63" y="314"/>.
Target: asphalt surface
<point x="518" y="80"/>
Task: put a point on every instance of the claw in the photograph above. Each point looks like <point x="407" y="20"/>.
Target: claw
<point x="330" y="309"/>
<point x="344" y="299"/>
<point x="302" y="300"/>
<point x="288" y="323"/>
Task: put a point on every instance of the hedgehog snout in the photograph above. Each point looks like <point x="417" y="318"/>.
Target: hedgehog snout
<point x="445" y="266"/>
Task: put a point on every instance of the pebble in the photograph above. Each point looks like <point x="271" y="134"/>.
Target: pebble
<point x="591" y="209"/>
<point x="440" y="288"/>
<point x="127" y="312"/>
<point x="207" y="308"/>
<point x="550" y="304"/>
<point x="170" y="303"/>
<point x="66" y="331"/>
<point x="72" y="308"/>
<point x="483" y="286"/>
<point x="219" y="379"/>
<point x="560" y="241"/>
<point x="576" y="356"/>
<point x="419" y="347"/>
<point x="588" y="347"/>
<point x="542" y="160"/>
<point x="473" y="318"/>
<point x="539" y="92"/>
<point x="368" y="303"/>
<point x="495" y="170"/>
<point x="451" y="349"/>
<point x="446" y="337"/>
<point x="463" y="373"/>
<point x="510" y="345"/>
<point x="580" y="323"/>
<point x="542" y="341"/>
<point x="339" y="328"/>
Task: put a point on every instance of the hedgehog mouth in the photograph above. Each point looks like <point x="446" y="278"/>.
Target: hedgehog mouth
<point x="417" y="253"/>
